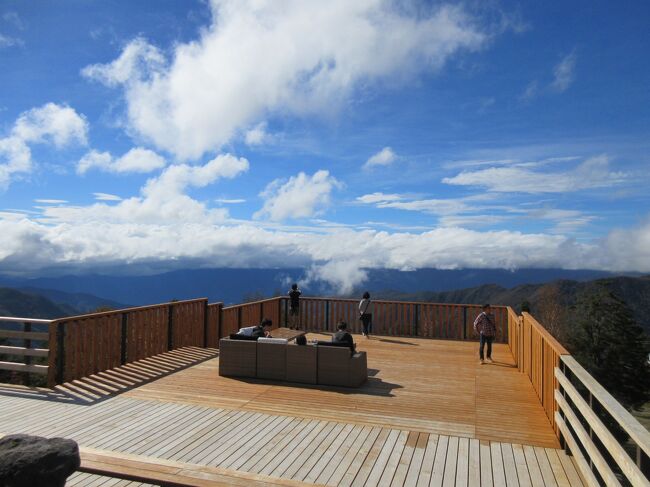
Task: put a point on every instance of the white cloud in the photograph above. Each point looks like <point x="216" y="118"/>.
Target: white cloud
<point x="50" y="201"/>
<point x="378" y="197"/>
<point x="7" y="41"/>
<point x="138" y="60"/>
<point x="162" y="199"/>
<point x="384" y="157"/>
<point x="14" y="19"/>
<point x="60" y="125"/>
<point x="563" y="77"/>
<point x="592" y="173"/>
<point x="257" y="135"/>
<point x="563" y="73"/>
<point x="291" y="57"/>
<point x="106" y="197"/>
<point x="531" y="91"/>
<point x="225" y="201"/>
<point x="302" y="196"/>
<point x="54" y="124"/>
<point x="136" y="160"/>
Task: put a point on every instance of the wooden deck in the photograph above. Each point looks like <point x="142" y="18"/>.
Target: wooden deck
<point x="432" y="386"/>
<point x="429" y="415"/>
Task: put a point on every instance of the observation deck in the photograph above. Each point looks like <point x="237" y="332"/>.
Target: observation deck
<point x="139" y="390"/>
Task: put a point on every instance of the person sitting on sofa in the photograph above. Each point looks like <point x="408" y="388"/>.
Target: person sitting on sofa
<point x="262" y="330"/>
<point x="342" y="335"/>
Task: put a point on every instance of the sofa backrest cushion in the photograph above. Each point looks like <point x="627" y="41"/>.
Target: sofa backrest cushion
<point x="273" y="340"/>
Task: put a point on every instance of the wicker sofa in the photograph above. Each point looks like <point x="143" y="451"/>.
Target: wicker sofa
<point x="322" y="364"/>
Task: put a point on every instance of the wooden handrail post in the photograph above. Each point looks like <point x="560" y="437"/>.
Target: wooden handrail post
<point x="170" y="327"/>
<point x="416" y="320"/>
<point x="123" y="338"/>
<point x="219" y="325"/>
<point x="205" y="324"/>
<point x="60" y="353"/>
<point x="27" y="359"/>
<point x="465" y="323"/>
<point x="327" y="315"/>
<point x="286" y="312"/>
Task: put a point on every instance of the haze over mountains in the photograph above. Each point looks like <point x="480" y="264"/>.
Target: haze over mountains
<point x="234" y="285"/>
<point x="61" y="296"/>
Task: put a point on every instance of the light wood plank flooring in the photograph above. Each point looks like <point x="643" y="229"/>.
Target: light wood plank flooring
<point x="430" y="415"/>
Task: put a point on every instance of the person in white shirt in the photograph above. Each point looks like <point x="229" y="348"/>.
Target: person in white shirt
<point x="365" y="314"/>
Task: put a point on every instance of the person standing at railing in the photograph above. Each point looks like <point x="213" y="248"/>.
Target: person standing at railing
<point x="365" y="314"/>
<point x="485" y="326"/>
<point x="294" y="305"/>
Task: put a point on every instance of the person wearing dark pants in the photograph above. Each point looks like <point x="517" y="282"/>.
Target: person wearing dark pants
<point x="485" y="326"/>
<point x="294" y="306"/>
<point x="365" y="314"/>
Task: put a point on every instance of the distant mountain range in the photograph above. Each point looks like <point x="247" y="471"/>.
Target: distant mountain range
<point x="28" y="305"/>
<point x="635" y="291"/>
<point x="69" y="295"/>
<point x="234" y="285"/>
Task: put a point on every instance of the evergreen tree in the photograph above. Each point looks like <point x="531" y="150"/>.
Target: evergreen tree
<point x="608" y="342"/>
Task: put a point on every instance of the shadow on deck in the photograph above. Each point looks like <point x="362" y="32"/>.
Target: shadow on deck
<point x="104" y="385"/>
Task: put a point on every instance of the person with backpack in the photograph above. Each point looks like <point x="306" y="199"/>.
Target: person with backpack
<point x="365" y="314"/>
<point x="485" y="326"/>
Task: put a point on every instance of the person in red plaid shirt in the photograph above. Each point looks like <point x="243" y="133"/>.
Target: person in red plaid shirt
<point x="485" y="326"/>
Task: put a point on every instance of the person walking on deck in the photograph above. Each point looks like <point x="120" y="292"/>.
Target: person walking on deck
<point x="294" y="305"/>
<point x="485" y="326"/>
<point x="365" y="314"/>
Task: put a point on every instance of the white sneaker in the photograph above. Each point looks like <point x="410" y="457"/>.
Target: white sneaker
<point x="481" y="362"/>
<point x="489" y="359"/>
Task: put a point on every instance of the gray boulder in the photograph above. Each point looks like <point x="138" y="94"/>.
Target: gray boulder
<point x="33" y="461"/>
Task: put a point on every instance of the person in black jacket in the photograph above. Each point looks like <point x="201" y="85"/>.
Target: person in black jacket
<point x="342" y="335"/>
<point x="262" y="330"/>
<point x="294" y="305"/>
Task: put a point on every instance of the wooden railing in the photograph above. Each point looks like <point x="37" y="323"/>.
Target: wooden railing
<point x="600" y="456"/>
<point x="28" y="338"/>
<point x="84" y="345"/>
<point x="389" y="318"/>
<point x="573" y="401"/>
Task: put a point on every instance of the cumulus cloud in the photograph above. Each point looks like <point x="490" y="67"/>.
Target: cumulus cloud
<point x="54" y="124"/>
<point x="137" y="160"/>
<point x="257" y="135"/>
<point x="60" y="125"/>
<point x="338" y="256"/>
<point x="563" y="73"/>
<point x="523" y="178"/>
<point x="384" y="157"/>
<point x="163" y="199"/>
<point x="289" y="56"/>
<point x="302" y="196"/>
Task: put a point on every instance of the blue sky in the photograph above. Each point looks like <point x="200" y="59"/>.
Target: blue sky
<point x="338" y="136"/>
